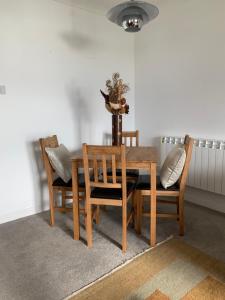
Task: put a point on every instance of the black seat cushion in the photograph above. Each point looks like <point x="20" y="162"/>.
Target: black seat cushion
<point x="116" y="194"/>
<point x="59" y="182"/>
<point x="143" y="183"/>
<point x="130" y="173"/>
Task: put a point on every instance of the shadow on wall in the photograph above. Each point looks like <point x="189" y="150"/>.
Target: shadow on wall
<point x="83" y="131"/>
<point x="156" y="142"/>
<point x="81" y="114"/>
<point x="38" y="175"/>
<point x="78" y="41"/>
<point x="107" y="139"/>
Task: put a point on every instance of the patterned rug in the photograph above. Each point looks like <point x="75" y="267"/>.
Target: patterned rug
<point x="173" y="270"/>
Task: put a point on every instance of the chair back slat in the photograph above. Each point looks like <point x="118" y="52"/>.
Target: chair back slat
<point x="95" y="167"/>
<point x="99" y="158"/>
<point x="131" y="141"/>
<point x="104" y="169"/>
<point x="114" y="168"/>
<point x="132" y="137"/>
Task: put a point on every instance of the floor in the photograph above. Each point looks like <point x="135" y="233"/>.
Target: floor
<point x="42" y="263"/>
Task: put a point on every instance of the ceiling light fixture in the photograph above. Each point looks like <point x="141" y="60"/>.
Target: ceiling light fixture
<point x="132" y="15"/>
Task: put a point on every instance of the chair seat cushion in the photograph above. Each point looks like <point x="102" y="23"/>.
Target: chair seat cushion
<point x="143" y="183"/>
<point x="59" y="182"/>
<point x="116" y="194"/>
<point x="130" y="173"/>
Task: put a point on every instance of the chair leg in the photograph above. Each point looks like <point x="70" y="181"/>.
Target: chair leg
<point x="97" y="215"/>
<point x="124" y="228"/>
<point x="181" y="214"/>
<point x="177" y="198"/>
<point x="136" y="209"/>
<point x="133" y="211"/>
<point x="52" y="209"/>
<point x="63" y="199"/>
<point x="85" y="218"/>
<point x="89" y="224"/>
<point x="139" y="204"/>
<point x="153" y="219"/>
<point x="153" y="205"/>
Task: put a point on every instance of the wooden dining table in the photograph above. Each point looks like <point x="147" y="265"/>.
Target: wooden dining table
<point x="140" y="158"/>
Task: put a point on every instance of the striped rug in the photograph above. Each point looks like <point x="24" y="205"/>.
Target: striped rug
<point x="173" y="270"/>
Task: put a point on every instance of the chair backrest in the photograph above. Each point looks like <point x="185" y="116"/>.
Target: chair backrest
<point x="97" y="159"/>
<point x="50" y="142"/>
<point x="188" y="145"/>
<point x="129" y="136"/>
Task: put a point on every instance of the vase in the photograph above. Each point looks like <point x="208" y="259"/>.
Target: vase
<point x="116" y="130"/>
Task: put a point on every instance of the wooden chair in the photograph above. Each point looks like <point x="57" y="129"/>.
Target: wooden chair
<point x="177" y="191"/>
<point x="56" y="184"/>
<point x="128" y="137"/>
<point x="131" y="139"/>
<point x="111" y="191"/>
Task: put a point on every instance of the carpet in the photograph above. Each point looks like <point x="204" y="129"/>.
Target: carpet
<point x="173" y="270"/>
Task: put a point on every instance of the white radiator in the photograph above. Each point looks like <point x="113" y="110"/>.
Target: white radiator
<point x="207" y="168"/>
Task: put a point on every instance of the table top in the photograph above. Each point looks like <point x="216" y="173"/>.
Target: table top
<point x="136" y="157"/>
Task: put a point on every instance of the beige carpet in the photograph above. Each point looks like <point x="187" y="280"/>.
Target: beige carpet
<point x="173" y="270"/>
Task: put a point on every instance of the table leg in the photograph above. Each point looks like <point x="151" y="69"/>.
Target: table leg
<point x="153" y="205"/>
<point x="76" y="216"/>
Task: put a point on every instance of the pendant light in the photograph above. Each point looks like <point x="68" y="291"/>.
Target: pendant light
<point x="132" y="15"/>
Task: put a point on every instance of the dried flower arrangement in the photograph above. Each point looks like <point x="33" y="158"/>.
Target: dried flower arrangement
<point x="115" y="102"/>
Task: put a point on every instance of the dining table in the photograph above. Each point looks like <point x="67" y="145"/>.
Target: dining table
<point x="139" y="158"/>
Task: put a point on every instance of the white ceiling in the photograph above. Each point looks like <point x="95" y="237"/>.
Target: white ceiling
<point x="100" y="6"/>
<point x="96" y="6"/>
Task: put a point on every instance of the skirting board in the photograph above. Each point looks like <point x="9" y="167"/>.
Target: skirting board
<point x="20" y="214"/>
<point x="206" y="199"/>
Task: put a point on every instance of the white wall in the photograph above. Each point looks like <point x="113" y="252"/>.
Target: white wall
<point x="180" y="77"/>
<point x="180" y="71"/>
<point x="53" y="61"/>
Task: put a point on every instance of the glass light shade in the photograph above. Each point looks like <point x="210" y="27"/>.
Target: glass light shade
<point x="132" y="23"/>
